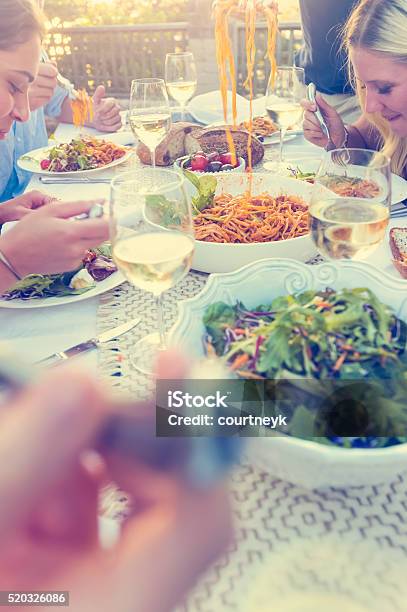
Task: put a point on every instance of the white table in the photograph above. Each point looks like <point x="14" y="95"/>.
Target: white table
<point x="37" y="333"/>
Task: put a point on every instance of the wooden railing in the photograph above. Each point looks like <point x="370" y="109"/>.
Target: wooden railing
<point x="114" y="55"/>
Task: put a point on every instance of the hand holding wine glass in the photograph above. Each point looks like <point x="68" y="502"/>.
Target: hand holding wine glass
<point x="180" y="78"/>
<point x="152" y="236"/>
<point x="284" y="93"/>
<point x="149" y="113"/>
<point x="350" y="205"/>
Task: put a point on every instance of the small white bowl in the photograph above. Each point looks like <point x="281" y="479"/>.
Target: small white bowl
<point x="240" y="168"/>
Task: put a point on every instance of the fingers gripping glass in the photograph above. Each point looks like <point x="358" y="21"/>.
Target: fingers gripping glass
<point x="153" y="242"/>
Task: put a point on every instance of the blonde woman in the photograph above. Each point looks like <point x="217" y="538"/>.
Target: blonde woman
<point x="375" y="38"/>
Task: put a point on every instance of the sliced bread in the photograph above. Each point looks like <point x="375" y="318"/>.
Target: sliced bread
<point x="172" y="147"/>
<point x="398" y="245"/>
<point x="214" y="139"/>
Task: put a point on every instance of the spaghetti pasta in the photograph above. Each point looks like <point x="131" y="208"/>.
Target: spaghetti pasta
<point x="224" y="55"/>
<point x="246" y="219"/>
<point x="82" y="109"/>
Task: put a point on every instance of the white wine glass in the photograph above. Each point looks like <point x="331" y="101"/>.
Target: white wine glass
<point x="285" y="91"/>
<point x="149" y="112"/>
<point x="350" y="204"/>
<point x="180" y="78"/>
<point x="152" y="236"/>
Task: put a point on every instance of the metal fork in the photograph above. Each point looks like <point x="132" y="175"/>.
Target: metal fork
<point x="64" y="82"/>
<point x="337" y="158"/>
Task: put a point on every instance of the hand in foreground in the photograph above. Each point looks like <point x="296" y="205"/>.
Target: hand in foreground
<point x="19" y="207"/>
<point x="43" y="87"/>
<point x="48" y="241"/>
<point x="312" y="130"/>
<point x="48" y="521"/>
<point x="106" y="112"/>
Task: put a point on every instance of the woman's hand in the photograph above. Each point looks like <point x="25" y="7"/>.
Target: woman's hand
<point x="48" y="241"/>
<point x="106" y="112"/>
<point x="313" y="131"/>
<point x="49" y="513"/>
<point x="19" y="207"/>
<point x="43" y="87"/>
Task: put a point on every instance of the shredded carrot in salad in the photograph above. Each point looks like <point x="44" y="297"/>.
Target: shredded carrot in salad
<point x="82" y="109"/>
<point x="226" y="63"/>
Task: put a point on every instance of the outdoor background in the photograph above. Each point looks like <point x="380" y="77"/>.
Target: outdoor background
<point x="115" y="41"/>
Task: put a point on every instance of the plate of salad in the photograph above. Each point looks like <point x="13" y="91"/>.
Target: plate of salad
<point x="332" y="336"/>
<point x="96" y="275"/>
<point x="84" y="154"/>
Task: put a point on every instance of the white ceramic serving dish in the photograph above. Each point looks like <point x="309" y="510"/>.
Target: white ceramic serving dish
<point x="222" y="257"/>
<point x="303" y="462"/>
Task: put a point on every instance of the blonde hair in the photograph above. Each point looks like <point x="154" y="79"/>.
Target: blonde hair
<point x="19" y="19"/>
<point x="380" y="26"/>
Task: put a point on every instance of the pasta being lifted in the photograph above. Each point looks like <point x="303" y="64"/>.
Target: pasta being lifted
<point x="248" y="9"/>
<point x="245" y="218"/>
<point x="82" y="109"/>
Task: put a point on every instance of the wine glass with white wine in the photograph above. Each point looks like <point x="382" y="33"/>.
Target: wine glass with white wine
<point x="180" y="78"/>
<point x="152" y="236"/>
<point x="149" y="113"/>
<point x="283" y="96"/>
<point x="350" y="204"/>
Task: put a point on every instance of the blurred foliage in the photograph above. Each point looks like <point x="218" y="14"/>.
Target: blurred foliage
<point x="101" y="12"/>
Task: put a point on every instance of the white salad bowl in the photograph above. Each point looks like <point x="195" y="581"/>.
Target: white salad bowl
<point x="240" y="168"/>
<point x="227" y="257"/>
<point x="306" y="463"/>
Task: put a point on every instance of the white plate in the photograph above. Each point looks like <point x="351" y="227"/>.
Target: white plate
<point x="33" y="165"/>
<point x="112" y="281"/>
<point x="398" y="184"/>
<point x="221" y="257"/>
<point x="303" y="462"/>
<point x="273" y="139"/>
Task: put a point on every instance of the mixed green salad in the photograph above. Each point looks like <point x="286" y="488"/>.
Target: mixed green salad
<point x="340" y="357"/>
<point x="96" y="266"/>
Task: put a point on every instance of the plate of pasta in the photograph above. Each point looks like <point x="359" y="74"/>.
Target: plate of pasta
<point x="84" y="154"/>
<point x="242" y="218"/>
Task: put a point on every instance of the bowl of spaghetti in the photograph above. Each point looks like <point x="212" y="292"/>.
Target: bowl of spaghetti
<point x="251" y="217"/>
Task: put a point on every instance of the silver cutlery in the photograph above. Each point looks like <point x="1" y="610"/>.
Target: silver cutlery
<point x="90" y="344"/>
<point x="68" y="180"/>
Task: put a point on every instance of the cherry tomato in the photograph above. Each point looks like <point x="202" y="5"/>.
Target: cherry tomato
<point x="226" y="158"/>
<point x="45" y="164"/>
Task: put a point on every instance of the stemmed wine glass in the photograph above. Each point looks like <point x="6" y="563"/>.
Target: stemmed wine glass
<point x="153" y="243"/>
<point x="149" y="112"/>
<point x="283" y="96"/>
<point x="180" y="78"/>
<point x="350" y="205"/>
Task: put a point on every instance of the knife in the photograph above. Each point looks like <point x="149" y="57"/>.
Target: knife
<point x="57" y="358"/>
<point x="67" y="180"/>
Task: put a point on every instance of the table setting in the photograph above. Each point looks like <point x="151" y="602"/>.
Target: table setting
<point x="290" y="495"/>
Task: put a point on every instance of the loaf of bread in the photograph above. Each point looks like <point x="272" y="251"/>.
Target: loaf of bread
<point x="186" y="138"/>
<point x="398" y="245"/>
<point x="214" y="139"/>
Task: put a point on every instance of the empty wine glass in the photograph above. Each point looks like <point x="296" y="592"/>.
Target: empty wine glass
<point x="152" y="237"/>
<point x="350" y="205"/>
<point x="180" y="78"/>
<point x="149" y="113"/>
<point x="283" y="96"/>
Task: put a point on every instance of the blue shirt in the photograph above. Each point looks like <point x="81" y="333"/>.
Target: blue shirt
<point x="22" y="138"/>
<point x="321" y="56"/>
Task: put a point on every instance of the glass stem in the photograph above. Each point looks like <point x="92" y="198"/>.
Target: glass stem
<point x="153" y="157"/>
<point x="160" y="321"/>
<point x="183" y="112"/>
<point x="280" y="153"/>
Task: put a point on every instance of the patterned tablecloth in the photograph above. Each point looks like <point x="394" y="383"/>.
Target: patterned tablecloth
<point x="288" y="539"/>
